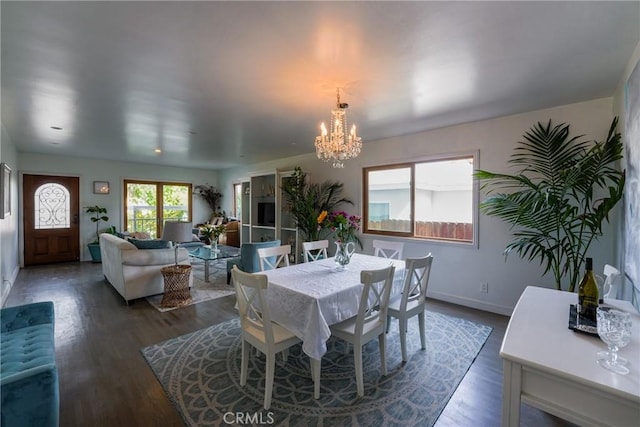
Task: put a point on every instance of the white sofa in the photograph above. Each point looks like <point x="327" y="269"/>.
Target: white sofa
<point x="133" y="272"/>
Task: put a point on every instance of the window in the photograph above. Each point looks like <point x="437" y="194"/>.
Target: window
<point x="52" y="207"/>
<point x="237" y="200"/>
<point x="430" y="199"/>
<point x="378" y="211"/>
<point x="149" y="204"/>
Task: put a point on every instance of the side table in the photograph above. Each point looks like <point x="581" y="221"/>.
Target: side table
<point x="176" y="285"/>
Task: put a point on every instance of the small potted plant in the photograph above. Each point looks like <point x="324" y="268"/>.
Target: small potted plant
<point x="98" y="214"/>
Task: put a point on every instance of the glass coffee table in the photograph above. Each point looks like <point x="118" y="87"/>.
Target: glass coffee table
<point x="209" y="255"/>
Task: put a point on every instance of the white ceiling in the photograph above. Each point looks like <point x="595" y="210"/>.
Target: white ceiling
<point x="219" y="84"/>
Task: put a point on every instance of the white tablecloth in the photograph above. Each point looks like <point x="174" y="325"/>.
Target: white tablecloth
<point x="307" y="298"/>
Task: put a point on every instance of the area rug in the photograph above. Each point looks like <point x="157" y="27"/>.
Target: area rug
<point x="200" y="372"/>
<point x="202" y="291"/>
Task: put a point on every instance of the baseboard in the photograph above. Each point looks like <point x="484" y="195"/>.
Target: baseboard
<point x="6" y="289"/>
<point x="468" y="302"/>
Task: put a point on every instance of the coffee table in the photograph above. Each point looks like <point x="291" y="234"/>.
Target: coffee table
<point x="208" y="255"/>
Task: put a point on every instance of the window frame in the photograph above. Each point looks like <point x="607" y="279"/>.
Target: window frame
<point x="159" y="200"/>
<point x="237" y="198"/>
<point x="475" y="191"/>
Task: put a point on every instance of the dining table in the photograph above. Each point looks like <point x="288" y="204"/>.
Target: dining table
<point x="308" y="298"/>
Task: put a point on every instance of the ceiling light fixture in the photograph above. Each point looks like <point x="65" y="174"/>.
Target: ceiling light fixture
<point x="338" y="146"/>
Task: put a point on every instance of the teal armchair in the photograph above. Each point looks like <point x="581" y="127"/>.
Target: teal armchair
<point x="249" y="262"/>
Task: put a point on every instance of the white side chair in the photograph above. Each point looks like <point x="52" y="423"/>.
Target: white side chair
<point x="610" y="286"/>
<point x="314" y="251"/>
<point x="387" y="249"/>
<point x="371" y="320"/>
<point x="274" y="257"/>
<point x="411" y="301"/>
<point x="257" y="328"/>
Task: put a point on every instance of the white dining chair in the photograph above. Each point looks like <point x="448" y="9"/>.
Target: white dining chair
<point x="313" y="251"/>
<point x="610" y="286"/>
<point x="257" y="328"/>
<point x="411" y="301"/>
<point x="274" y="257"/>
<point x="371" y="320"/>
<point x="387" y="249"/>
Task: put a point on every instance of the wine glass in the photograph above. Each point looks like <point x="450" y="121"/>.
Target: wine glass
<point x="614" y="328"/>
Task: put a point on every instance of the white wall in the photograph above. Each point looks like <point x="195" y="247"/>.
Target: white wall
<point x="458" y="270"/>
<point x="451" y="206"/>
<point x="89" y="170"/>
<point x="9" y="266"/>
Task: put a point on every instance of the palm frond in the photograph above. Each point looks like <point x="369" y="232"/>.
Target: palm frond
<point x="559" y="198"/>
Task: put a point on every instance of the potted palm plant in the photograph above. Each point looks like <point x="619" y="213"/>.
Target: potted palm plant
<point x="559" y="198"/>
<point x="98" y="214"/>
<point x="212" y="196"/>
<point x="306" y="200"/>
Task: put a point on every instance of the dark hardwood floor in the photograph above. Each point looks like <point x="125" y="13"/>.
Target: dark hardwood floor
<point x="104" y="380"/>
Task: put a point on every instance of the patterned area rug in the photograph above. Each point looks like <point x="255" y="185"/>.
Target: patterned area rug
<point x="201" y="374"/>
<point x="201" y="290"/>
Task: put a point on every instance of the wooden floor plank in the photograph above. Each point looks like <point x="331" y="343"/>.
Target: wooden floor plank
<point x="105" y="381"/>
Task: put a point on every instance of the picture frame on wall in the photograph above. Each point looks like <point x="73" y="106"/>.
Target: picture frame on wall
<point x="5" y="189"/>
<point x="101" y="187"/>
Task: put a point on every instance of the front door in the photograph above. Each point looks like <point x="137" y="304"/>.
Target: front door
<point x="51" y="219"/>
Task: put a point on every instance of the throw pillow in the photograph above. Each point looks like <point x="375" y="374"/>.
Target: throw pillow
<point x="150" y="244"/>
<point x="140" y="235"/>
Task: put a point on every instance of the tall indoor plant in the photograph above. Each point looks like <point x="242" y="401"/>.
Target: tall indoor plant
<point x="211" y="195"/>
<point x="306" y="200"/>
<point x="98" y="214"/>
<point x="559" y="198"/>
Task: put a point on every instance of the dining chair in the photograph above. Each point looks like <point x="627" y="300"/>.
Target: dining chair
<point x="387" y="249"/>
<point x="313" y="251"/>
<point x="411" y="301"/>
<point x="610" y="287"/>
<point x="274" y="257"/>
<point x="257" y="328"/>
<point x="371" y="320"/>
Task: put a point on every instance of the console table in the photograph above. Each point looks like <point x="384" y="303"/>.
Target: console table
<point x="551" y="367"/>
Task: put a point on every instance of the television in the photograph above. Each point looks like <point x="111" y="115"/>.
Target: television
<point x="267" y="213"/>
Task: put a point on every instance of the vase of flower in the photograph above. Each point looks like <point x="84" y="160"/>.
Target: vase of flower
<point x="343" y="254"/>
<point x="212" y="233"/>
<point x="345" y="228"/>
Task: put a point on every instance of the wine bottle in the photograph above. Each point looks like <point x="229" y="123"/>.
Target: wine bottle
<point x="588" y="293"/>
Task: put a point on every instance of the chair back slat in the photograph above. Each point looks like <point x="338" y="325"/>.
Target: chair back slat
<point x="313" y="251"/>
<point x="272" y="258"/>
<point x="416" y="280"/>
<point x="387" y="249"/>
<point x="375" y="297"/>
<point x="250" y="294"/>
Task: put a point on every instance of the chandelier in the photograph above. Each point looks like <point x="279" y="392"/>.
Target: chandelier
<point x="338" y="146"/>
